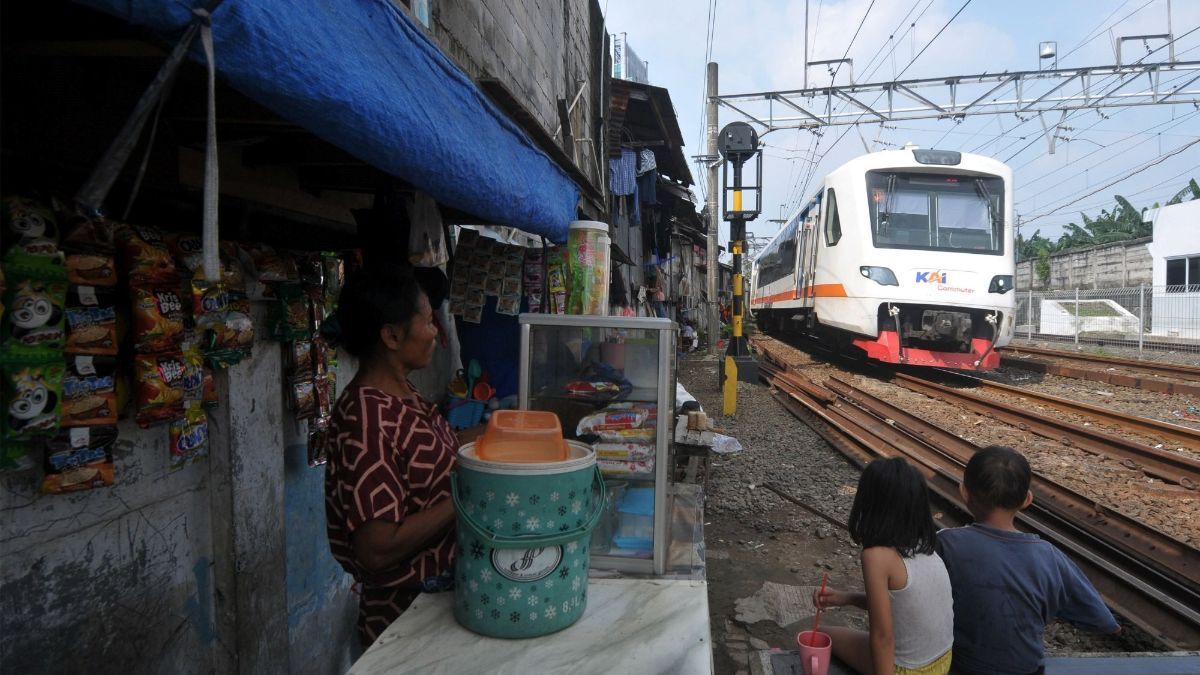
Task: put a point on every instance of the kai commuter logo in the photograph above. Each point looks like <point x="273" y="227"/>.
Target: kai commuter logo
<point x="938" y="277"/>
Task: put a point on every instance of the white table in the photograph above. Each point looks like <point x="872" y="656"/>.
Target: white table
<point x="631" y="626"/>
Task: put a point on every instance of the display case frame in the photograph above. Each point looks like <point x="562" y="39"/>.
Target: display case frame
<point x="664" y="398"/>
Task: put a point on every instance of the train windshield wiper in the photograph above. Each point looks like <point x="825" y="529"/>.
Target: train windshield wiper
<point x="885" y="212"/>
<point x="987" y="198"/>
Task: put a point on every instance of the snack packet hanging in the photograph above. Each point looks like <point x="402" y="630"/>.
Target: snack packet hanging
<point x="146" y="256"/>
<point x="28" y="223"/>
<point x="33" y="399"/>
<point x="35" y="296"/>
<point x="91" y="269"/>
<point x="318" y="439"/>
<point x="159" y="387"/>
<point x="290" y="314"/>
<point x="89" y="393"/>
<point x="79" y="459"/>
<point x="263" y="263"/>
<point x="188" y="250"/>
<point x="223" y="323"/>
<point x="158" y="318"/>
<point x="84" y="233"/>
<point x="91" y="318"/>
<point x="198" y="383"/>
<point x="303" y="397"/>
<point x="188" y="436"/>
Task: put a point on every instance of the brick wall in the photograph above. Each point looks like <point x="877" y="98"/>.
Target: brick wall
<point x="542" y="50"/>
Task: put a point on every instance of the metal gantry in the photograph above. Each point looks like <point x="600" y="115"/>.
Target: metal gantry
<point x="955" y="97"/>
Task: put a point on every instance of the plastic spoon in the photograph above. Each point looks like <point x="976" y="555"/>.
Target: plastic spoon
<point x="473" y="371"/>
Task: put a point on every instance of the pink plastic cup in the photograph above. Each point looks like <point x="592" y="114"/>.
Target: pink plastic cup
<point x="815" y="650"/>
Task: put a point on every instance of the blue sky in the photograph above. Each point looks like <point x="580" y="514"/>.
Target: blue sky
<point x="758" y="45"/>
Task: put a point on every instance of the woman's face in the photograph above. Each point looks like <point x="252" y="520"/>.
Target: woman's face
<point x="415" y="350"/>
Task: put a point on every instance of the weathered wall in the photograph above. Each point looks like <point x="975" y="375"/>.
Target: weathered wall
<point x="222" y="566"/>
<point x="542" y="50"/>
<point x="1126" y="263"/>
<point x="114" y="580"/>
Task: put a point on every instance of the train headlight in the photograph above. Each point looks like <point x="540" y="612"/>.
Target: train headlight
<point x="1001" y="283"/>
<point x="880" y="275"/>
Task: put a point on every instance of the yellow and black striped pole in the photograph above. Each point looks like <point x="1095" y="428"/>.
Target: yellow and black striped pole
<point x="737" y="345"/>
<point x="737" y="143"/>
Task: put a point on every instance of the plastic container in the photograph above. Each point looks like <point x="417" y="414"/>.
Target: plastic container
<point x="464" y="413"/>
<point x="523" y="436"/>
<point x="588" y="246"/>
<point x="523" y="534"/>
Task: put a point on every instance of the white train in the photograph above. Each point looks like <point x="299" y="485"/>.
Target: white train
<point x="904" y="254"/>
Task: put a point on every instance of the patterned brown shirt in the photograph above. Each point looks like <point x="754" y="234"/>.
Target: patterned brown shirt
<point x="389" y="457"/>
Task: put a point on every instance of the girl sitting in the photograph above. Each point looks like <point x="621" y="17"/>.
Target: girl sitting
<point x="907" y="598"/>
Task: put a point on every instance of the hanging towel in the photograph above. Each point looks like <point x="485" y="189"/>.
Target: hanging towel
<point x="622" y="179"/>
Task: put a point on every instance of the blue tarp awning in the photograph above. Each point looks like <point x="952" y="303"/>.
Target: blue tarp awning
<point x="360" y="75"/>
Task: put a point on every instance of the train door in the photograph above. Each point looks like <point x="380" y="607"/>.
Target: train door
<point x="810" y="238"/>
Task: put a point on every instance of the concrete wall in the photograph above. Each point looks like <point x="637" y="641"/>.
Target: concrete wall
<point x="1126" y="263"/>
<point x="113" y="580"/>
<point x="542" y="50"/>
<point x="1176" y="235"/>
<point x="222" y="566"/>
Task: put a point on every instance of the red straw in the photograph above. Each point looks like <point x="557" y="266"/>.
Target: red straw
<point x="817" y="619"/>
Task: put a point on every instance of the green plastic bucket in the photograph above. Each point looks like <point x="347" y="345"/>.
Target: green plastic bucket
<point x="523" y="533"/>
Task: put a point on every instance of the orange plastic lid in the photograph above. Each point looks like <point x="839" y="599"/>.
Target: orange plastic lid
<point x="522" y="436"/>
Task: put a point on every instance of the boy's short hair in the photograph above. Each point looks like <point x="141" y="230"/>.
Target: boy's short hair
<point x="998" y="477"/>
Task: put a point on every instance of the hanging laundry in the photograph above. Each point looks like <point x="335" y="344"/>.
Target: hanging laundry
<point x="622" y="179"/>
<point x="646" y="161"/>
<point x="648" y="187"/>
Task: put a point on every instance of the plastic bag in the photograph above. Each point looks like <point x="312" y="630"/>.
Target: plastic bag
<point x="426" y="243"/>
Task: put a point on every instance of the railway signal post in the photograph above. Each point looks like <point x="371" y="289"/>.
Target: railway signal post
<point x="738" y="143"/>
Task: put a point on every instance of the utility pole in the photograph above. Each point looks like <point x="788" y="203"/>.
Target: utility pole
<point x="806" y="42"/>
<point x="714" y="218"/>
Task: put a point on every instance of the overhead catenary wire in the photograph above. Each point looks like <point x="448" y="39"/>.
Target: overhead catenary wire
<point x="1154" y="162"/>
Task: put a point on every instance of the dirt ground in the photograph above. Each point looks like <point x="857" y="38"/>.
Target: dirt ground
<point x="765" y="555"/>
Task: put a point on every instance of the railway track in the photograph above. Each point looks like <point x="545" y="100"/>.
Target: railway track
<point x="1149" y="577"/>
<point x="1164" y="431"/>
<point x="1166" y="378"/>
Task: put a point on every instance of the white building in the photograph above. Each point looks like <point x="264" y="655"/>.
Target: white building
<point x="1176" y="254"/>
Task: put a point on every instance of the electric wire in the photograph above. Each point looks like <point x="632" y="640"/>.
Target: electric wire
<point x="1158" y="160"/>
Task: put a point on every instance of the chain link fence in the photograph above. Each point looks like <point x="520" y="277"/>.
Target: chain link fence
<point x="1144" y="317"/>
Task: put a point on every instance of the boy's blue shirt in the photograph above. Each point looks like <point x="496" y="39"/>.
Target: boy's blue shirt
<point x="1007" y="587"/>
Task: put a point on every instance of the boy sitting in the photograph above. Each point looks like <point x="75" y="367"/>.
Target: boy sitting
<point x="1007" y="584"/>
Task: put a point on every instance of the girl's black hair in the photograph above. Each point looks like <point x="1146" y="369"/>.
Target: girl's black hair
<point x="371" y="298"/>
<point x="891" y="508"/>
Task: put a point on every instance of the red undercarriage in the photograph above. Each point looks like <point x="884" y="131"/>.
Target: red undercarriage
<point x="886" y="348"/>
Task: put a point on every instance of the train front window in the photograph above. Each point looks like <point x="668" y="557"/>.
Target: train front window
<point x="936" y="212"/>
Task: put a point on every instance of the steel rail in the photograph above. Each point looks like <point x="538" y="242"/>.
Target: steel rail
<point x="1166" y="609"/>
<point x="1169" y="557"/>
<point x="1163" y="464"/>
<point x="1165" y="431"/>
<point x="1150" y="378"/>
<point x="1177" y="370"/>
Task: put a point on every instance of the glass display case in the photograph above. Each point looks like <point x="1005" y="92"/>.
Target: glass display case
<point x="611" y="381"/>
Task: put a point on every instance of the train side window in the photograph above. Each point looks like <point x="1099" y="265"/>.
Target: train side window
<point x="833" y="224"/>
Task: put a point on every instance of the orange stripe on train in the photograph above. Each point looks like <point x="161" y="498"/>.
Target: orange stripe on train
<point x="818" y="291"/>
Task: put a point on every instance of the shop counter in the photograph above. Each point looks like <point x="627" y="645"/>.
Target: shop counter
<point x="631" y="626"/>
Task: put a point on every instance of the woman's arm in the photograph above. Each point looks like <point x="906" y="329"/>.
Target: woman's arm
<point x="381" y="545"/>
<point x="876" y="562"/>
